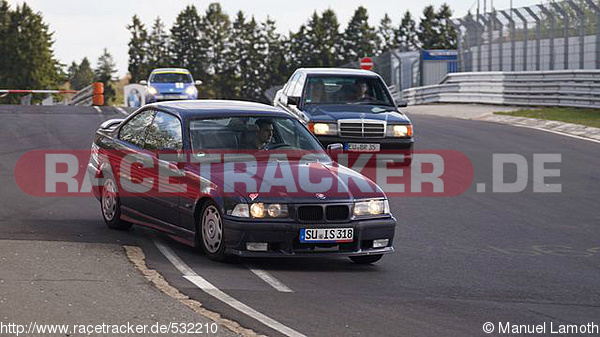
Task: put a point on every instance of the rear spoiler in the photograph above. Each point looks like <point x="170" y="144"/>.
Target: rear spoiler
<point x="110" y="123"/>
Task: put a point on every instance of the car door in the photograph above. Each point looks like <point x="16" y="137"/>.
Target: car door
<point x="131" y="159"/>
<point x="164" y="142"/>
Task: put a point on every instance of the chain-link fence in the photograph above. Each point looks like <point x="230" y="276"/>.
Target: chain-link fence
<point x="553" y="36"/>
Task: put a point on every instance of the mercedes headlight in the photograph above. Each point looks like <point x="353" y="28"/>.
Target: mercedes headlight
<point x="400" y="130"/>
<point x="372" y="207"/>
<point x="152" y="90"/>
<point x="323" y="129"/>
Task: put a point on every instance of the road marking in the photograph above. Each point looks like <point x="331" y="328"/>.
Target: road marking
<point x="97" y="108"/>
<point x="190" y="275"/>
<point x="270" y="279"/>
<point x="121" y="110"/>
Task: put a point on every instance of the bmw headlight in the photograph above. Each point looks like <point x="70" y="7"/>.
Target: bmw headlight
<point x="400" y="130"/>
<point x="152" y="90"/>
<point x="323" y="129"/>
<point x="259" y="210"/>
<point x="191" y="90"/>
<point x="372" y="207"/>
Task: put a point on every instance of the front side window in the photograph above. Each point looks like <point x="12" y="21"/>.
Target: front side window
<point x="247" y="133"/>
<point x="346" y="90"/>
<point x="134" y="131"/>
<point x="171" y="78"/>
<point x="164" y="133"/>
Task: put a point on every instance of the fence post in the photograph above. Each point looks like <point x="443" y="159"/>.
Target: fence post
<point x="526" y="34"/>
<point x="581" y="19"/>
<point x="538" y="38"/>
<point x="511" y="24"/>
<point x="552" y="33"/>
<point x="596" y="8"/>
<point x="566" y="33"/>
<point x="500" y="40"/>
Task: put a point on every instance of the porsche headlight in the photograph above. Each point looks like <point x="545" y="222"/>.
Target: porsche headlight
<point x="371" y="207"/>
<point x="400" y="130"/>
<point x="152" y="90"/>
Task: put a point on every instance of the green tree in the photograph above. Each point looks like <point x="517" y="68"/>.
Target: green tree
<point x="428" y="33"/>
<point x="27" y="60"/>
<point x="252" y="56"/>
<point x="387" y="34"/>
<point x="138" y="53"/>
<point x="360" y="39"/>
<point x="83" y="76"/>
<point x="276" y="63"/>
<point x="406" y="35"/>
<point x="185" y="46"/>
<point x="215" y="43"/>
<point x="331" y="49"/>
<point x="104" y="72"/>
<point x="158" y="45"/>
<point x="447" y="35"/>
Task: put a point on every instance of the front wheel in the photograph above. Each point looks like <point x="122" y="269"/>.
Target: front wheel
<point x="211" y="232"/>
<point x="111" y="206"/>
<point x="366" y="259"/>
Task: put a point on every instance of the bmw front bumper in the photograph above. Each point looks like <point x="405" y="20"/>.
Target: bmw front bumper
<point x="283" y="238"/>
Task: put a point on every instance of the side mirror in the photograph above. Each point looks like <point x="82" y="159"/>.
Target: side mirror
<point x="144" y="82"/>
<point x="401" y="103"/>
<point x="293" y="100"/>
<point x="197" y="82"/>
<point x="334" y="149"/>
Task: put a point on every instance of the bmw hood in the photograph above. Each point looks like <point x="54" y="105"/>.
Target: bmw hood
<point x="334" y="112"/>
<point x="288" y="182"/>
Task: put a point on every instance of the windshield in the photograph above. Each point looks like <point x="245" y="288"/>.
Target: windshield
<point x="346" y="90"/>
<point x="248" y="133"/>
<point x="171" y="78"/>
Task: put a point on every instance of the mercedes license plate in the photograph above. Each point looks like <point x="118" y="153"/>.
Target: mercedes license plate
<point x="326" y="235"/>
<point x="362" y="147"/>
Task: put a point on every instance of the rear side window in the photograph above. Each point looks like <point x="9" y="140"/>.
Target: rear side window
<point x="134" y="131"/>
<point x="164" y="133"/>
<point x="291" y="84"/>
<point x="297" y="91"/>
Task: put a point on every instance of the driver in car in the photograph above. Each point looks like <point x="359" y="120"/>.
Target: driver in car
<point x="264" y="134"/>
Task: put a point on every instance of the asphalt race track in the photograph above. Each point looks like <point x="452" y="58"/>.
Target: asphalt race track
<point x="524" y="258"/>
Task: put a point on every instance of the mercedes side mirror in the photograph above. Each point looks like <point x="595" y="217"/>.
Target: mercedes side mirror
<point x="401" y="103"/>
<point x="293" y="100"/>
<point x="334" y="149"/>
<point x="197" y="82"/>
<point x="144" y="82"/>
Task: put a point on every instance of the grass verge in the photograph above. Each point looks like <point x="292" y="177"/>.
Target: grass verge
<point x="587" y="117"/>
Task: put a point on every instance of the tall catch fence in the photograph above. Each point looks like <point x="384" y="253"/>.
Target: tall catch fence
<point x="553" y="36"/>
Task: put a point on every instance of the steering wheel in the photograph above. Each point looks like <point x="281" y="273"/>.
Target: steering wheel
<point x="276" y="146"/>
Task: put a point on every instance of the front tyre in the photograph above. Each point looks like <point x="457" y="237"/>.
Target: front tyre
<point x="366" y="259"/>
<point x="211" y="232"/>
<point x="110" y="205"/>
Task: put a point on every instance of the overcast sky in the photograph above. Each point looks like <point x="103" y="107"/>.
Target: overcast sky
<point x="84" y="27"/>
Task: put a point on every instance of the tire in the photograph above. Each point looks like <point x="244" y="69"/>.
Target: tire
<point x="210" y="233"/>
<point x="110" y="205"/>
<point x="366" y="259"/>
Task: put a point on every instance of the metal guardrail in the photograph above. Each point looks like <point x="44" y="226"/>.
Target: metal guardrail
<point x="93" y="94"/>
<point x="572" y="88"/>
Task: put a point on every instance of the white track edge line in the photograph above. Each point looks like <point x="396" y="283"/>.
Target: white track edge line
<point x="270" y="279"/>
<point x="97" y="108"/>
<point x="121" y="110"/>
<point x="190" y="275"/>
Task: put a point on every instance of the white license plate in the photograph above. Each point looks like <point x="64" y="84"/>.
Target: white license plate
<point x="173" y="96"/>
<point x="362" y="147"/>
<point x="326" y="235"/>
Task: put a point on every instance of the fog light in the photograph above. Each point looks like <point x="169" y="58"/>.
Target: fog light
<point x="380" y="243"/>
<point x="257" y="246"/>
